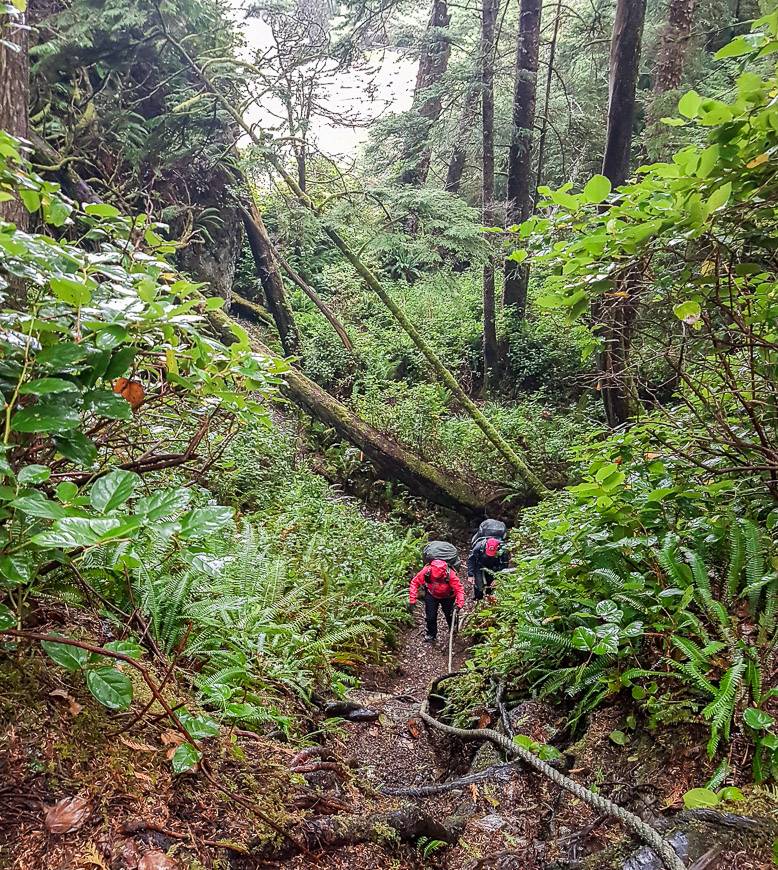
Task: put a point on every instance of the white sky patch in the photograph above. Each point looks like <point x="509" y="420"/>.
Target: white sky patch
<point x="358" y="97"/>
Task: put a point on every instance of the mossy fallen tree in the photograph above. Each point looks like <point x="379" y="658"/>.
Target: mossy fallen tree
<point x="420" y="476"/>
<point x="336" y="832"/>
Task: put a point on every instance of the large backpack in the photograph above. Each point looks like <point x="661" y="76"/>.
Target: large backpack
<point x="442" y="550"/>
<point x="490" y="529"/>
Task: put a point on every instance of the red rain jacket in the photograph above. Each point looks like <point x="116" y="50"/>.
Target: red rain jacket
<point x="443" y="588"/>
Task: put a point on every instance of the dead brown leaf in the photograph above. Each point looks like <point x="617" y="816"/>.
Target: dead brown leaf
<point x="73" y="706"/>
<point x="67" y="815"/>
<point x="413" y="727"/>
<point x="157" y="860"/>
<point x="171" y="738"/>
<point x="136" y="745"/>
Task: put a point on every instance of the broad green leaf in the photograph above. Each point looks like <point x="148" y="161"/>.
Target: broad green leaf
<point x="757" y="719"/>
<point x="719" y="198"/>
<point x="72" y="658"/>
<point x="700" y="798"/>
<point x="609" y="611"/>
<point x="112" y="688"/>
<point x="102" y="209"/>
<point x="731" y="793"/>
<point x="70" y="291"/>
<point x="16" y="569"/>
<point x="198" y="727"/>
<point x="185" y="758"/>
<point x="163" y="504"/>
<point x="37" y="505"/>
<point x="205" y="521"/>
<point x="618" y="737"/>
<point x="689" y="312"/>
<point x="689" y="104"/>
<point x="44" y="386"/>
<point x="66" y="491"/>
<point x="584" y="638"/>
<point x="112" y="490"/>
<point x="105" y="403"/>
<point x="30" y="198"/>
<point x="7" y="618"/>
<point x="126" y="647"/>
<point x="32" y="474"/>
<point x="61" y="356"/>
<point x="79" y="532"/>
<point x="737" y="48"/>
<point x="76" y="447"/>
<point x="518" y="256"/>
<point x="120" y="362"/>
<point x="597" y="189"/>
<point x="46" y="417"/>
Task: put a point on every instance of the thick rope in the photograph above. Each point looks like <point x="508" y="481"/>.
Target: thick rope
<point x="646" y="833"/>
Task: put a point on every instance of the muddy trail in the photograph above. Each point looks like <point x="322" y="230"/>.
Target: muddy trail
<point x="503" y="819"/>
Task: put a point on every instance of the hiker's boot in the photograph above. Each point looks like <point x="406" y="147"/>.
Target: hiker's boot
<point x="429" y="638"/>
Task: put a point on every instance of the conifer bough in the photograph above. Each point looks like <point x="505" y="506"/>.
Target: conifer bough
<point x="534" y="483"/>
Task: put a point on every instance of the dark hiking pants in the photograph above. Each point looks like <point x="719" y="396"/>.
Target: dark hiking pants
<point x="483" y="581"/>
<point x="431" y="612"/>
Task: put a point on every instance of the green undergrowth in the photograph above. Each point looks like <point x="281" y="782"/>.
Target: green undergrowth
<point x="646" y="583"/>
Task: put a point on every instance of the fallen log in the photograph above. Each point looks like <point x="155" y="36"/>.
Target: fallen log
<point x="336" y="832"/>
<point x="400" y="464"/>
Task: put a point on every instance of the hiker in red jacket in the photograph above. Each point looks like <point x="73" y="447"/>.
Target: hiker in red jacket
<point x="443" y="589"/>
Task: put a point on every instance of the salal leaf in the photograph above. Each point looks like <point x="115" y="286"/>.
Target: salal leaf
<point x="112" y="688"/>
<point x="31" y="474"/>
<point x="45" y="386"/>
<point x="204" y="521"/>
<point x="7" y="618"/>
<point x="112" y="490"/>
<point x="185" y="758"/>
<point x="46" y="417"/>
<point x="163" y="504"/>
<point x="72" y="658"/>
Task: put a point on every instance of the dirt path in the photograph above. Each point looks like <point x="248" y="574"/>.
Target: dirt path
<point x="503" y="815"/>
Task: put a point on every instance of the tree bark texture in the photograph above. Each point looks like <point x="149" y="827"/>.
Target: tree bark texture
<point x="489" y="11"/>
<point x="616" y="314"/>
<point x="272" y="283"/>
<point x="520" y="174"/>
<point x="674" y="45"/>
<point x="622" y="81"/>
<point x="456" y="165"/>
<point x="14" y="97"/>
<point x="547" y="99"/>
<point x="421" y="477"/>
<point x="427" y="98"/>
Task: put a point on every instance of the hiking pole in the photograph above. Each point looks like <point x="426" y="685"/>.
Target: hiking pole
<point x="454" y="617"/>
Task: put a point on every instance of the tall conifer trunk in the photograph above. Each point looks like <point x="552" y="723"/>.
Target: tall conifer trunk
<point x="616" y="312"/>
<point x="520" y="174"/>
<point x="674" y="45"/>
<point x="14" y="96"/>
<point x="427" y="99"/>
<point x="488" y="23"/>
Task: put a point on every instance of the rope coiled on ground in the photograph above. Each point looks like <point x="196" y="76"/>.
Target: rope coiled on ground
<point x="643" y="830"/>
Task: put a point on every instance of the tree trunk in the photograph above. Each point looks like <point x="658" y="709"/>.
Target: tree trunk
<point x="547" y="100"/>
<point x="14" y="97"/>
<point x="622" y="81"/>
<point x="520" y="175"/>
<point x="616" y="315"/>
<point x="456" y="165"/>
<point x="272" y="283"/>
<point x="427" y="99"/>
<point x="674" y="45"/>
<point x="488" y="22"/>
<point x="400" y="464"/>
